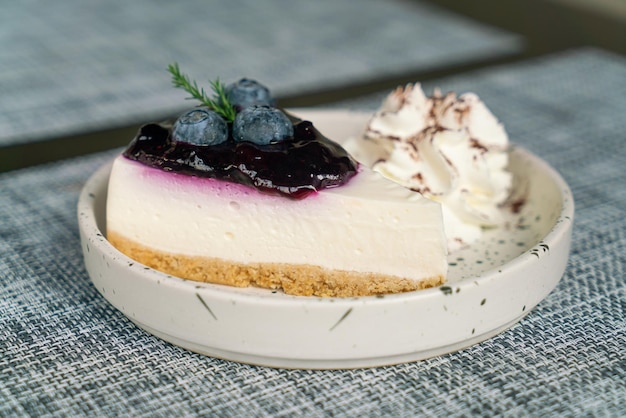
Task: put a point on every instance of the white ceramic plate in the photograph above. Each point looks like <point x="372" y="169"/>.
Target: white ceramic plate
<point x="491" y="286"/>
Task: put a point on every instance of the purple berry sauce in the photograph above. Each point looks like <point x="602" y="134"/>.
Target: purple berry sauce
<point x="295" y="168"/>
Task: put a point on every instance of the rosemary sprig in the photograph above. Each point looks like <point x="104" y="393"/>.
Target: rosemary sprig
<point x="219" y="103"/>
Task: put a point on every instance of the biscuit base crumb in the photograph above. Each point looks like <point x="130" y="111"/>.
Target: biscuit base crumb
<point x="293" y="279"/>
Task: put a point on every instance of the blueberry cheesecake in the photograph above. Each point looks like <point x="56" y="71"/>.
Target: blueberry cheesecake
<point x="238" y="192"/>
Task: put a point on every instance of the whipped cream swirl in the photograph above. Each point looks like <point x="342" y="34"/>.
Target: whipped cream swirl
<point x="451" y="149"/>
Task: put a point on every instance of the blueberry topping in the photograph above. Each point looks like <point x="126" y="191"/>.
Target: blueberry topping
<point x="152" y="136"/>
<point x="262" y="125"/>
<point x="245" y="93"/>
<point x="200" y="126"/>
<point x="296" y="168"/>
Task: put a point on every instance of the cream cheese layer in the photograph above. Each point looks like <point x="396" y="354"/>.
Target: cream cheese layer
<point x="368" y="225"/>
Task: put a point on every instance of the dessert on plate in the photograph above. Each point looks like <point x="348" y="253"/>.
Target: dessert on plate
<point x="238" y="192"/>
<point x="450" y="149"/>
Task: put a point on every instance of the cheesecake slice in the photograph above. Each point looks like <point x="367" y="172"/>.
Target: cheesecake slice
<point x="366" y="237"/>
<point x="238" y="192"/>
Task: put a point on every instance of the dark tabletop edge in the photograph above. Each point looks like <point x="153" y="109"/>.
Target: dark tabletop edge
<point x="546" y="25"/>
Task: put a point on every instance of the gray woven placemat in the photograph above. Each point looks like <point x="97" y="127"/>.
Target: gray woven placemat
<point x="73" y="66"/>
<point x="66" y="351"/>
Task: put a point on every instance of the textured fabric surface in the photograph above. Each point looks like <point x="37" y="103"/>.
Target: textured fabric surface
<point x="66" y="351"/>
<point x="81" y="65"/>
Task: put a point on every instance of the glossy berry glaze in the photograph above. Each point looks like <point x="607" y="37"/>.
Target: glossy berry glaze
<point x="295" y="167"/>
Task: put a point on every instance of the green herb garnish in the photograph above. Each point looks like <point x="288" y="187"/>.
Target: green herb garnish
<point x="219" y="103"/>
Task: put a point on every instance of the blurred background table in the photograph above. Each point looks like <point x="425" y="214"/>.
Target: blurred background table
<point x="71" y="66"/>
<point x="77" y="78"/>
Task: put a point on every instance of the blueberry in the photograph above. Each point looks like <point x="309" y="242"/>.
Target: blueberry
<point x="246" y="93"/>
<point x="262" y="125"/>
<point x="200" y="126"/>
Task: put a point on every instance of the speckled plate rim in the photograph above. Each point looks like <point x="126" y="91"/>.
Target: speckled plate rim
<point x="269" y="328"/>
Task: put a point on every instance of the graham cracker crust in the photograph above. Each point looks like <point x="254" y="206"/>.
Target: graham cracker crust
<point x="293" y="279"/>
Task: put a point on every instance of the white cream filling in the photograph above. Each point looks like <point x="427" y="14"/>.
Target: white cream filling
<point x="369" y="225"/>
